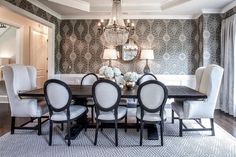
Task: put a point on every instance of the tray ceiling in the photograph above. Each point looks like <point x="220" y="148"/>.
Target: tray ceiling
<point x="96" y="9"/>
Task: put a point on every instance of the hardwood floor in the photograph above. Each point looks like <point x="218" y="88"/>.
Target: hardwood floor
<point x="5" y="119"/>
<point x="224" y="120"/>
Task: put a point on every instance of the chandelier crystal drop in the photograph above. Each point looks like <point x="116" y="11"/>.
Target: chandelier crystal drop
<point x="116" y="32"/>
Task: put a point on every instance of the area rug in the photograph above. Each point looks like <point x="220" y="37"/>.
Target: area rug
<point x="192" y="144"/>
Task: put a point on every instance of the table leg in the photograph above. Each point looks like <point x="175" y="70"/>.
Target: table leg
<point x="152" y="132"/>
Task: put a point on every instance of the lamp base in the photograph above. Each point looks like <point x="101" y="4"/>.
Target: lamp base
<point x="146" y="69"/>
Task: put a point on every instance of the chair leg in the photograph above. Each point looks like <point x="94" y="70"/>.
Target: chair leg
<point x="126" y="123"/>
<point x="137" y="125"/>
<point x="141" y="133"/>
<point x="50" y="132"/>
<point x="172" y="116"/>
<point x="13" y="120"/>
<point x="180" y="127"/>
<point x="161" y="131"/>
<point x="96" y="133"/>
<point x="39" y="126"/>
<point x="212" y="126"/>
<point x="62" y="126"/>
<point x="101" y="127"/>
<point x="92" y="113"/>
<point x="69" y="132"/>
<point x="116" y="134"/>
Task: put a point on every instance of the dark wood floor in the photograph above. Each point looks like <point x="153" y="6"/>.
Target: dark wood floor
<point x="224" y="120"/>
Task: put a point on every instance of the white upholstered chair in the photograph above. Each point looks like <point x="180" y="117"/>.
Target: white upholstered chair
<point x="106" y="95"/>
<point x="19" y="78"/>
<point x="208" y="81"/>
<point x="152" y="96"/>
<point x="90" y="79"/>
<point x="146" y="77"/>
<point x="58" y="97"/>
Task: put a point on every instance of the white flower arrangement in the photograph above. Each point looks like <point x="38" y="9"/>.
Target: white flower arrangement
<point x="131" y="77"/>
<point x="117" y="71"/>
<point x="109" y="72"/>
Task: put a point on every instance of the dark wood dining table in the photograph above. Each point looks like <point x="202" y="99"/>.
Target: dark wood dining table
<point x="85" y="91"/>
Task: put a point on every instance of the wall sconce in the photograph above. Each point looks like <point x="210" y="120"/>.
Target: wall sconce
<point x="147" y="54"/>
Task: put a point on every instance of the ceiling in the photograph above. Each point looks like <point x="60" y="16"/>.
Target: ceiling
<point x="133" y="9"/>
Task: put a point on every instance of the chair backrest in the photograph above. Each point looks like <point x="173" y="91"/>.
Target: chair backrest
<point x="208" y="81"/>
<point x="146" y="77"/>
<point x="89" y="79"/>
<point x="58" y="95"/>
<point x="106" y="95"/>
<point x="19" y="78"/>
<point x="152" y="96"/>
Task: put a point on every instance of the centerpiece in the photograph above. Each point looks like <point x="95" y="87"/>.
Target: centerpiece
<point x="130" y="79"/>
<point x="109" y="72"/>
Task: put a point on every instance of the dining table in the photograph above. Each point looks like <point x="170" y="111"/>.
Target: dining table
<point x="82" y="92"/>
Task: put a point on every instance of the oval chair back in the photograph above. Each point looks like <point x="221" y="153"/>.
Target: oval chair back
<point x="89" y="79"/>
<point x="146" y="77"/>
<point x="152" y="96"/>
<point x="58" y="96"/>
<point x="106" y="95"/>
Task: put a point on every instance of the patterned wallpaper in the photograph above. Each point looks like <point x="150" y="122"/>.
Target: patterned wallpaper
<point x="229" y="13"/>
<point x="175" y="45"/>
<point x="180" y="46"/>
<point x="209" y="43"/>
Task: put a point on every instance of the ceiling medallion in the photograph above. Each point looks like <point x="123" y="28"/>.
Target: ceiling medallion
<point x="117" y="31"/>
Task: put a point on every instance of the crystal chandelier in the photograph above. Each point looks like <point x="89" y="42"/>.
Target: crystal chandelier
<point x="116" y="32"/>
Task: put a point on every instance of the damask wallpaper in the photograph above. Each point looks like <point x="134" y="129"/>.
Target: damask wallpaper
<point x="229" y="13"/>
<point x="175" y="45"/>
<point x="209" y="43"/>
<point x="180" y="46"/>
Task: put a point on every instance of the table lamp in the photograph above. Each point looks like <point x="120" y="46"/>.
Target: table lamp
<point x="147" y="54"/>
<point x="110" y="54"/>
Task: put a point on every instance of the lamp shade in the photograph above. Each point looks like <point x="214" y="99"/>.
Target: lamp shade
<point x="110" y="54"/>
<point x="147" y="54"/>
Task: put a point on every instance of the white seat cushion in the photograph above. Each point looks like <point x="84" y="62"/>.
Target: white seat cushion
<point x="75" y="111"/>
<point x="110" y="115"/>
<point x="151" y="117"/>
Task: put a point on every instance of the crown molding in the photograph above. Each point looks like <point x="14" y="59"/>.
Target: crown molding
<point x="137" y="16"/>
<point x="228" y="7"/>
<point x="211" y="11"/>
<point x="45" y="8"/>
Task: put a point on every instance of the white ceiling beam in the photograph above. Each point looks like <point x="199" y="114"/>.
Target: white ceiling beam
<point x="77" y="4"/>
<point x="44" y="7"/>
<point x="173" y="3"/>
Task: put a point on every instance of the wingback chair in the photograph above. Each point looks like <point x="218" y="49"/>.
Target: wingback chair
<point x="208" y="81"/>
<point x="19" y="78"/>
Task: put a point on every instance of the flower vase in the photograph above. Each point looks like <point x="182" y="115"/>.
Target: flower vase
<point x="129" y="84"/>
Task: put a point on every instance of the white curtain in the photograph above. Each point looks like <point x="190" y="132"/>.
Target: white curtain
<point x="228" y="60"/>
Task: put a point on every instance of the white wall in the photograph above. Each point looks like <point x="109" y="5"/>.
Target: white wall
<point x="11" y="18"/>
<point x="8" y="44"/>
